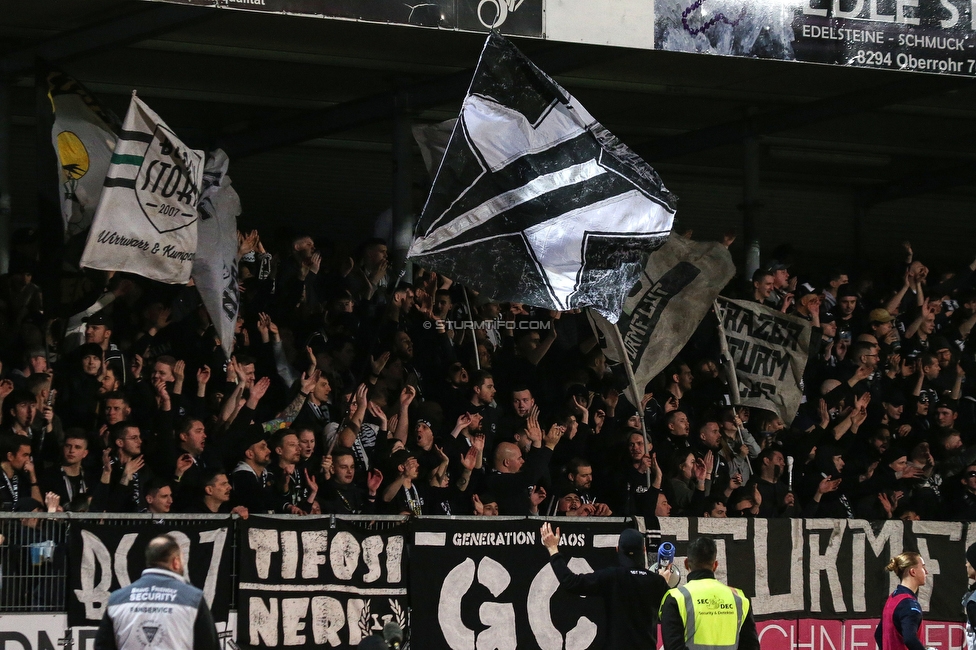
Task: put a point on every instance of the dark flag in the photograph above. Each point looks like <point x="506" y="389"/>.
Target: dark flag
<point x="535" y="201"/>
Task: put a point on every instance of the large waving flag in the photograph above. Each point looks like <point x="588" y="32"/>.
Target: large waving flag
<point x="674" y="293"/>
<point x="146" y="221"/>
<point x="535" y="201"/>
<point x="83" y="135"/>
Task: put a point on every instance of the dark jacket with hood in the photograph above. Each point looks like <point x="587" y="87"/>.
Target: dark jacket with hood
<point x="631" y="594"/>
<point x="832" y="504"/>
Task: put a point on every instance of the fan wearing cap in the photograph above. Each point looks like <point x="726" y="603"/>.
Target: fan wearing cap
<point x="964" y="503"/>
<point x="892" y="412"/>
<point x="631" y="593"/>
<point x="407" y="495"/>
<point x="848" y="314"/>
<point x="781" y="279"/>
<point x="881" y="325"/>
<point x="946" y="416"/>
<point x="33" y="361"/>
<point x="808" y="301"/>
<point x="98" y="330"/>
<point x="250" y="479"/>
<point x="950" y="372"/>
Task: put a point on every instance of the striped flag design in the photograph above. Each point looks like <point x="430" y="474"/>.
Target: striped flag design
<point x="535" y="201"/>
<point x="146" y="219"/>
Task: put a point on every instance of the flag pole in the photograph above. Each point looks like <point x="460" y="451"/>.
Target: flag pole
<point x="474" y="339"/>
<point x="727" y="361"/>
<point x="633" y="389"/>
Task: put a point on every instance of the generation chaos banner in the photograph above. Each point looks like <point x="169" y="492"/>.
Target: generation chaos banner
<point x="488" y="584"/>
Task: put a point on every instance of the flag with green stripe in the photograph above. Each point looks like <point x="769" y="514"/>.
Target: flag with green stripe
<point x="146" y="221"/>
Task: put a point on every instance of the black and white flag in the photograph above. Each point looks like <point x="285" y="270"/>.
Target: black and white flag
<point x="665" y="306"/>
<point x="535" y="201"/>
<point x="146" y="220"/>
<point x="769" y="350"/>
<point x="215" y="273"/>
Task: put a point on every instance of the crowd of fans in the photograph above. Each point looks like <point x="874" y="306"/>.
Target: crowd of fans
<point x="349" y="391"/>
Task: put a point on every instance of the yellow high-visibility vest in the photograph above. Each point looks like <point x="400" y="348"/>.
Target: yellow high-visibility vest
<point x="713" y="614"/>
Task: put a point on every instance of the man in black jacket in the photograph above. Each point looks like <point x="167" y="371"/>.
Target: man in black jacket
<point x="632" y="594"/>
<point x="515" y="480"/>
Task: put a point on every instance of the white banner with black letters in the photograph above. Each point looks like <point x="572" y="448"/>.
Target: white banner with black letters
<point x="146" y="220"/>
<point x="769" y="351"/>
<point x="317" y="582"/>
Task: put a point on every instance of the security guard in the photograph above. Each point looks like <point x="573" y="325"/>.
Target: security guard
<point x="159" y="610"/>
<point x="705" y="614"/>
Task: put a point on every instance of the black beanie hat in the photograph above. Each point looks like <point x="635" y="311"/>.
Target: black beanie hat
<point x="971" y="555"/>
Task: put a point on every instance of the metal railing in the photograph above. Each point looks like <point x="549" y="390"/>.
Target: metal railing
<point x="34" y="550"/>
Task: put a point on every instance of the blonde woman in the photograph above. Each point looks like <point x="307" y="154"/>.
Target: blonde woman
<point x="902" y="615"/>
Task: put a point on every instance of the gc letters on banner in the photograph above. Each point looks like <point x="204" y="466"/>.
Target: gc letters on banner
<point x="488" y="584"/>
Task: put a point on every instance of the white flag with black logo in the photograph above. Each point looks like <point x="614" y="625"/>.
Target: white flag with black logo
<point x="215" y="273"/>
<point x="146" y="221"/>
<point x="769" y="350"/>
<point x="665" y="306"/>
<point x="535" y="201"/>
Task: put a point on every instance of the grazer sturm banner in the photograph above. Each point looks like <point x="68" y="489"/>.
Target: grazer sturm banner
<point x="677" y="288"/>
<point x="306" y="583"/>
<point x="103" y="558"/>
<point x="215" y="272"/>
<point x="769" y="352"/>
<point x="830" y="569"/>
<point x="534" y="200"/>
<point x="488" y="584"/>
<point x="83" y="135"/>
<point x="146" y="221"/>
